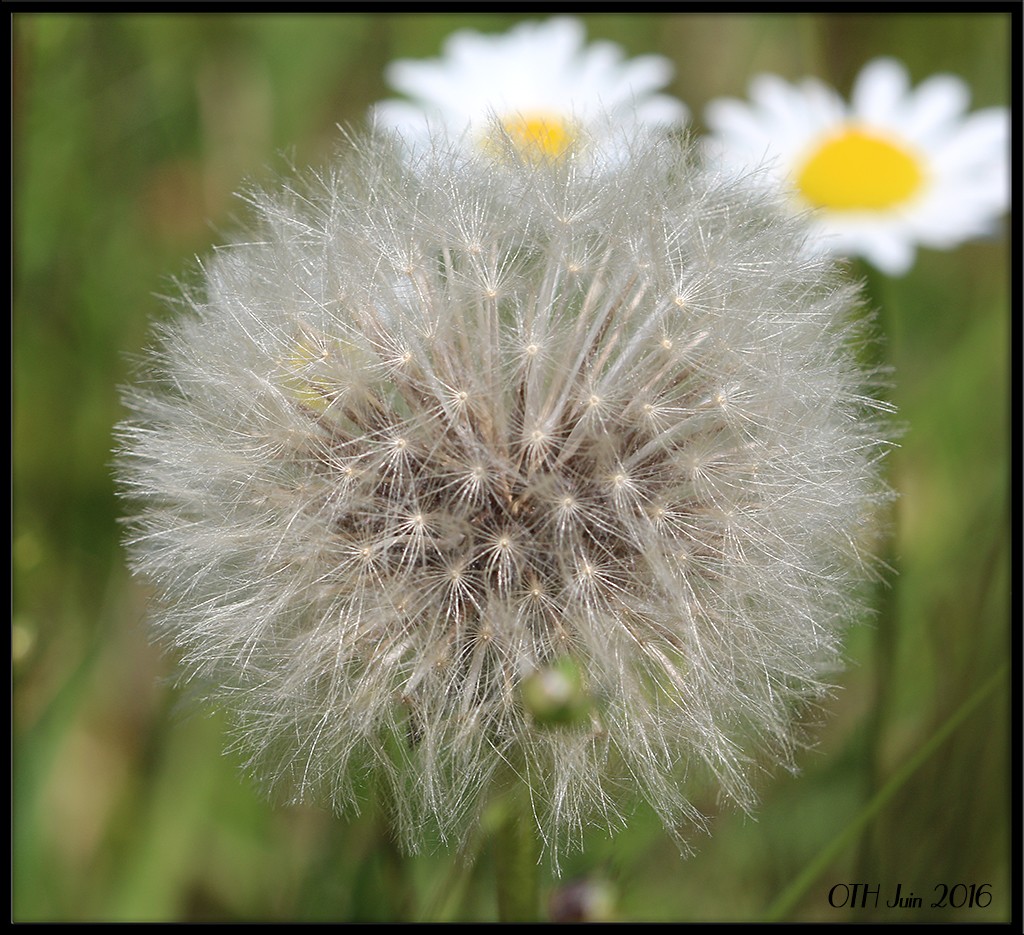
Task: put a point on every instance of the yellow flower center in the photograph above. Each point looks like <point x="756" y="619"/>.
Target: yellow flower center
<point x="859" y="170"/>
<point x="538" y="137"/>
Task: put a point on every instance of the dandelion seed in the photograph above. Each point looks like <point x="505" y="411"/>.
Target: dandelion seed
<point x="416" y="534"/>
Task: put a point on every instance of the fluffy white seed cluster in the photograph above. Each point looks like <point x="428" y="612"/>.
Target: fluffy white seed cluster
<point x="432" y="430"/>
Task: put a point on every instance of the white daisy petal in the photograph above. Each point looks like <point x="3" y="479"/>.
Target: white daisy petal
<point x="397" y="114"/>
<point x="934" y="106"/>
<point x="780" y="102"/>
<point x="736" y="120"/>
<point x="425" y="82"/>
<point x="893" y="169"/>
<point x="893" y="255"/>
<point x="557" y="39"/>
<point x="550" y="93"/>
<point x="825" y="108"/>
<point x="983" y="138"/>
<point x="880" y="91"/>
<point x="660" y="111"/>
<point x="646" y="74"/>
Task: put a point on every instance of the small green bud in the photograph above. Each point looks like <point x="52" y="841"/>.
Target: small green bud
<point x="554" y="695"/>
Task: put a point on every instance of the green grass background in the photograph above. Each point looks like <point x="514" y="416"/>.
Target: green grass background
<point x="131" y="132"/>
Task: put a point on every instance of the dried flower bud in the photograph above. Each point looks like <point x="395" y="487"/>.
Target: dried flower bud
<point x="582" y="900"/>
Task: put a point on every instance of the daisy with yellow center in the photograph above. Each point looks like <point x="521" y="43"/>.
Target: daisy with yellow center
<point x="537" y="92"/>
<point x="892" y="169"/>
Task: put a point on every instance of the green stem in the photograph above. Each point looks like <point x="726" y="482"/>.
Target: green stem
<point x="881" y="297"/>
<point x="516" y="856"/>
<point x="790" y="897"/>
<point x="884" y="653"/>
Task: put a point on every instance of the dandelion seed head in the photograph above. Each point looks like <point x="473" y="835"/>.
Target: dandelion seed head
<point x="408" y="526"/>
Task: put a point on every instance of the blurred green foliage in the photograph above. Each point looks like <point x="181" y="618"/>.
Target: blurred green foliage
<point x="131" y="132"/>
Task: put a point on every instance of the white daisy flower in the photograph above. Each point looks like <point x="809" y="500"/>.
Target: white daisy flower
<point x="537" y="85"/>
<point x="889" y="170"/>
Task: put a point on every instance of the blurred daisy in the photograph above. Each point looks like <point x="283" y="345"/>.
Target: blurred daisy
<point x="889" y="170"/>
<point x="537" y="89"/>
